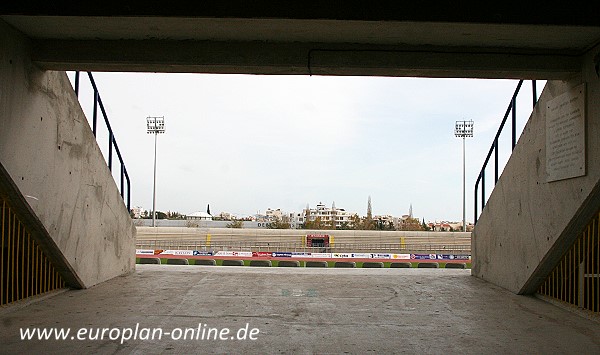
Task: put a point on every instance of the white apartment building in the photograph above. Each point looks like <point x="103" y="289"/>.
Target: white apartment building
<point x="339" y="215"/>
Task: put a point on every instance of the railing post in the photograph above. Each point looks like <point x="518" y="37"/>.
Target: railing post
<point x="482" y="190"/>
<point x="128" y="191"/>
<point x="77" y="83"/>
<point x="95" y="115"/>
<point x="495" y="161"/>
<point x="122" y="181"/>
<point x="475" y="199"/>
<point x="534" y="90"/>
<point x="514" y="122"/>
<point x="110" y="140"/>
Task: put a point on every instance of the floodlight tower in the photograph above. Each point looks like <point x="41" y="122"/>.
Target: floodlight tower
<point x="156" y="125"/>
<point x="464" y="129"/>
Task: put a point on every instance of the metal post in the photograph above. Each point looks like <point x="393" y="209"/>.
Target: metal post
<point x="77" y="83"/>
<point x="154" y="189"/>
<point x="534" y="91"/>
<point x="156" y="125"/>
<point x="464" y="189"/>
<point x="514" y="122"/>
<point x="110" y="140"/>
<point x="464" y="129"/>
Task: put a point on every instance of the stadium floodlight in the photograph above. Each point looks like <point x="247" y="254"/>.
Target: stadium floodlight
<point x="156" y="125"/>
<point x="464" y="129"/>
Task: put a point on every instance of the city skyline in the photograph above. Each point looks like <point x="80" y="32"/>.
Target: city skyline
<point x="243" y="143"/>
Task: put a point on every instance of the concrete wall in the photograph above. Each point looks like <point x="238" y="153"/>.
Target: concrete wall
<point x="528" y="223"/>
<point x="49" y="151"/>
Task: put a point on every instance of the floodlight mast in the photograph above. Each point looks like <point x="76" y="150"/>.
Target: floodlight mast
<point x="464" y="129"/>
<point x="156" y="125"/>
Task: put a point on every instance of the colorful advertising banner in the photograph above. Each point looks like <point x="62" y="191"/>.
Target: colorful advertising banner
<point x="282" y="255"/>
<point x="320" y="255"/>
<point x="177" y="252"/>
<point x="144" y="251"/>
<point x="261" y="254"/>
<point x="202" y="253"/>
<point x="361" y="255"/>
<point x="380" y="256"/>
<point x="400" y="256"/>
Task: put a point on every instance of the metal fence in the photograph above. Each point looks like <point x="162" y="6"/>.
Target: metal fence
<point x="24" y="269"/>
<point x="576" y="278"/>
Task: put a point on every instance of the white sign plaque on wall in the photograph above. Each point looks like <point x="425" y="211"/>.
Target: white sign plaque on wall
<point x="565" y="135"/>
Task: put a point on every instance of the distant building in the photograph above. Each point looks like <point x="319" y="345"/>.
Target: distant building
<point x="327" y="215"/>
<point x="199" y="215"/>
<point x="137" y="211"/>
<point x="273" y="214"/>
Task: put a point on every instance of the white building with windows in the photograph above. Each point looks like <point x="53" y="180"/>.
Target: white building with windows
<point x="326" y="215"/>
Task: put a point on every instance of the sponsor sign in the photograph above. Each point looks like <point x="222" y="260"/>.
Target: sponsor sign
<point x="202" y="253"/>
<point x="380" y="256"/>
<point x="177" y="252"/>
<point x="320" y="255"/>
<point x="453" y="257"/>
<point x="300" y="255"/>
<point x="400" y="256"/>
<point x="242" y="253"/>
<point x="361" y="255"/>
<point x="462" y="257"/>
<point x="144" y="251"/>
<point x="282" y="255"/>
<point x="224" y="253"/>
<point x="423" y="256"/>
<point x="262" y="254"/>
<point x="342" y="255"/>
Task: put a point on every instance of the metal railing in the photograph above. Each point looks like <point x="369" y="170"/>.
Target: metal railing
<point x="111" y="137"/>
<point x="576" y="278"/>
<point x="512" y="108"/>
<point x="25" y="271"/>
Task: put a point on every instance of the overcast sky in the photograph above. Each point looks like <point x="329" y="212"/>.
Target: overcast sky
<point x="245" y="143"/>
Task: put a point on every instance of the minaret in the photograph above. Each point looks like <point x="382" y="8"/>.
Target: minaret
<point x="369" y="210"/>
<point x="410" y="211"/>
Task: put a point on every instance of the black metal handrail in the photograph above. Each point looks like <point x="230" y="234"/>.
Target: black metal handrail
<point x="512" y="108"/>
<point x="111" y="137"/>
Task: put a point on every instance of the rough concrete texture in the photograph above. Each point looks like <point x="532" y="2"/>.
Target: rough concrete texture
<point x="306" y="311"/>
<point x="48" y="148"/>
<point x="456" y="266"/>
<point x="527" y="222"/>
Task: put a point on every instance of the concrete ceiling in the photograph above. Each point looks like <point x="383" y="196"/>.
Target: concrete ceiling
<point x="390" y="41"/>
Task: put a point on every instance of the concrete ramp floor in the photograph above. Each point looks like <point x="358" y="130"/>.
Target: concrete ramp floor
<point x="302" y="311"/>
